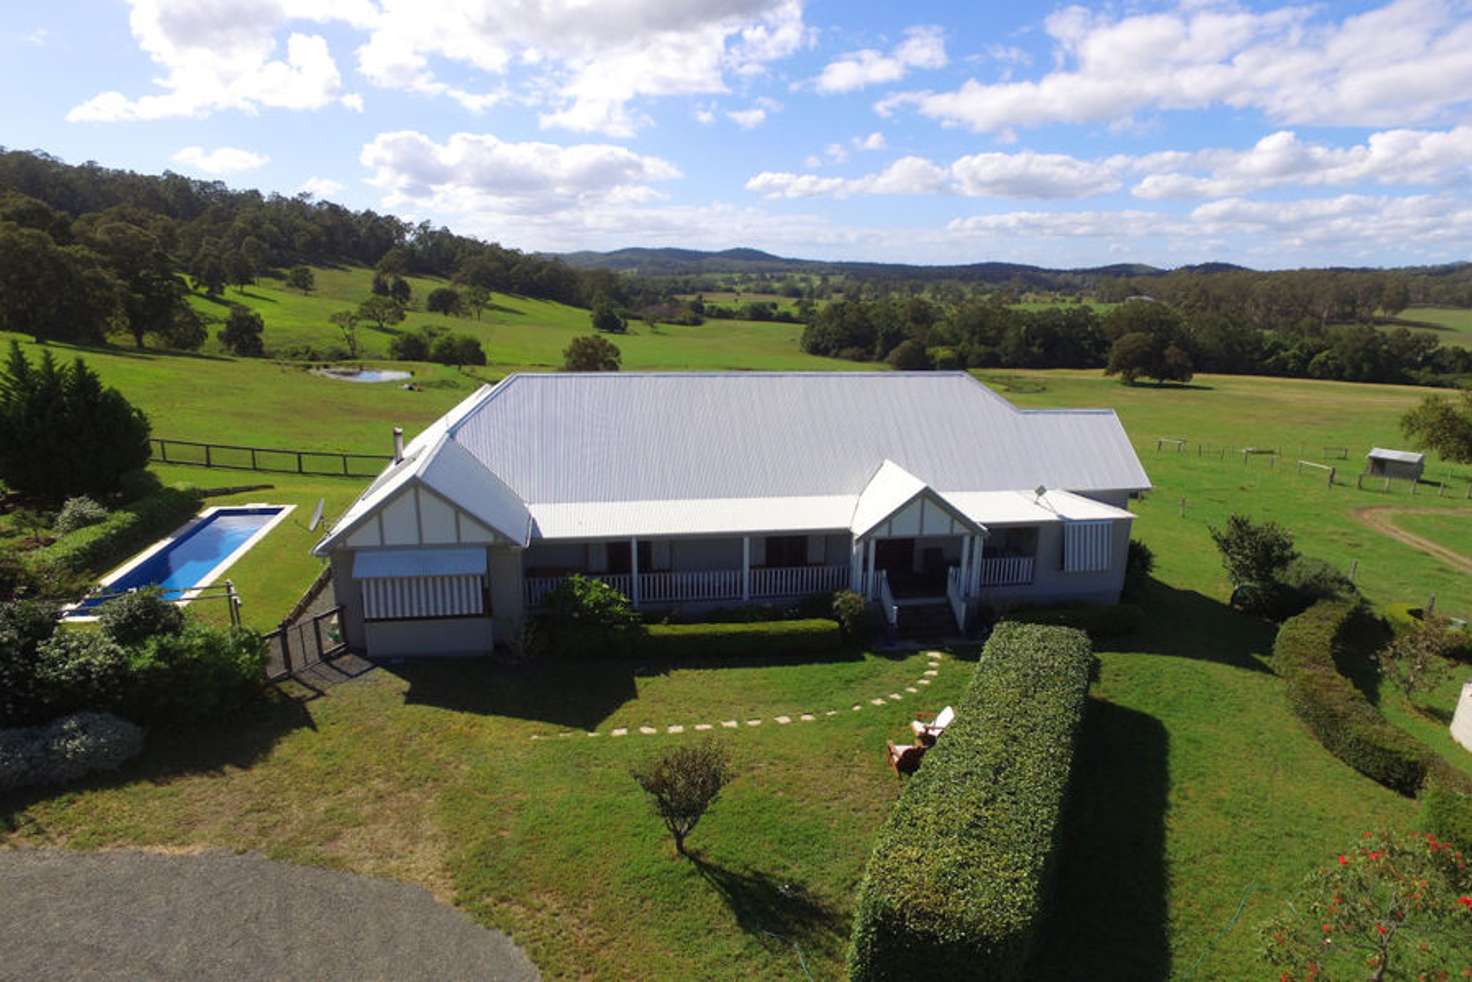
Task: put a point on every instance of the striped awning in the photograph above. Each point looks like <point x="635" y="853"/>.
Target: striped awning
<point x="377" y="564"/>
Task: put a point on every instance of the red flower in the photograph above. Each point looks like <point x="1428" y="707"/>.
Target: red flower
<point x="1380" y="928"/>
<point x="1342" y="860"/>
<point x="1327" y="928"/>
<point x="1465" y="902"/>
<point x="1376" y="854"/>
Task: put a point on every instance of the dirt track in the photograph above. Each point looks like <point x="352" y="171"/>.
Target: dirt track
<point x="1381" y="519"/>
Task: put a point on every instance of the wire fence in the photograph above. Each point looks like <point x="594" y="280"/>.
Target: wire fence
<point x="270" y="459"/>
<point x="1335" y="475"/>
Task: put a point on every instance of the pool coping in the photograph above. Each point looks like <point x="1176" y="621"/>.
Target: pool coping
<point x="214" y="573"/>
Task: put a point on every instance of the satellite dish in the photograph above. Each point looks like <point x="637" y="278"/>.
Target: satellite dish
<point x="1039" y="491"/>
<point x="317" y="515"/>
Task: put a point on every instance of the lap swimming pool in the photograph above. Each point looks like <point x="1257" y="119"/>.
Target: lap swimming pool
<point x="194" y="556"/>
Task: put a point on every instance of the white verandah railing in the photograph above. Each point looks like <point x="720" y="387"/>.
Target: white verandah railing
<point x="716" y="584"/>
<point x="1007" y="571"/>
<point x="887" y="604"/>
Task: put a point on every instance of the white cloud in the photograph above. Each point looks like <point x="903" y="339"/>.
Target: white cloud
<point x="587" y="64"/>
<point x="1014" y="175"/>
<point x="747" y="118"/>
<point x="320" y="187"/>
<point x="1391" y="157"/>
<point x="874" y="141"/>
<point x="352" y="101"/>
<point x="38" y="37"/>
<point x="1404" y="62"/>
<point x="223" y="54"/>
<point x="472" y="172"/>
<point x="704" y="116"/>
<point x="221" y="160"/>
<point x="922" y="47"/>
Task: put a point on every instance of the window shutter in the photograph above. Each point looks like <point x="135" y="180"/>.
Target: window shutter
<point x="422" y="597"/>
<point x="1086" y="546"/>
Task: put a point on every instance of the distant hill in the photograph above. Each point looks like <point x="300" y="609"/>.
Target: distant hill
<point x="684" y="262"/>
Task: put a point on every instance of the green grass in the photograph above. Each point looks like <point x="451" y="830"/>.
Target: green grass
<point x="1451" y="325"/>
<point x="1453" y="531"/>
<point x="1198" y="792"/>
<point x="517" y="332"/>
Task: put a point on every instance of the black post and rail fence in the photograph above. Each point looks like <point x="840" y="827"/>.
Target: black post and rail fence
<point x="275" y="460"/>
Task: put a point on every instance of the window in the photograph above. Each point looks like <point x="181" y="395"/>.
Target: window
<point x="620" y="557"/>
<point x="1013" y="542"/>
<point x="1086" y="546"/>
<point x="397" y="598"/>
<point x="787" y="550"/>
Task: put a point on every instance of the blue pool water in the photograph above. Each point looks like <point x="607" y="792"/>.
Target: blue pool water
<point x="181" y="564"/>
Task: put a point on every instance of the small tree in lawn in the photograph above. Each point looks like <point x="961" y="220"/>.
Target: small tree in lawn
<point x="1253" y="553"/>
<point x="591" y="354"/>
<point x="242" y="333"/>
<point x="606" y="318"/>
<point x="1419" y="660"/>
<point x="301" y="278"/>
<point x="382" y="311"/>
<point x="1393" y="907"/>
<point x="682" y="783"/>
<point x="346" y="322"/>
<point x="477" y="298"/>
<point x="1442" y="424"/>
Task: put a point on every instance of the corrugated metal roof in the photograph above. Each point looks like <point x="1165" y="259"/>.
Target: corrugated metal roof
<point x="700" y="516"/>
<point x="679" y="436"/>
<point x="378" y="563"/>
<point x="993" y="508"/>
<point x="889" y="490"/>
<point x="605" y="455"/>
<point x="1402" y="456"/>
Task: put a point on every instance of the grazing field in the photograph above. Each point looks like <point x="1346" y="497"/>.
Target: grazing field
<point x="516" y="332"/>
<point x="1201" y="801"/>
<point x="1452" y="325"/>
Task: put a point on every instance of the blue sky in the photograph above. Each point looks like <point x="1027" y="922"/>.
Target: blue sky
<point x="1166" y="133"/>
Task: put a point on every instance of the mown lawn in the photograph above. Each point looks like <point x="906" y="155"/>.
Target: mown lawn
<point x="516" y="332"/>
<point x="1201" y="801"/>
<point x="1451" y="325"/>
<point x="431" y="774"/>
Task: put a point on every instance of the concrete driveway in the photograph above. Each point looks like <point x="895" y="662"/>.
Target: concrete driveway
<point x="217" y="915"/>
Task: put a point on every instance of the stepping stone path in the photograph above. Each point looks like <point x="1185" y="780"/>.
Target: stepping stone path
<point x="932" y="671"/>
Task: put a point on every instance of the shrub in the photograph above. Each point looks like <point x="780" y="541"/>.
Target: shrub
<point x="755" y="638"/>
<point x="1139" y="563"/>
<point x="76" y="513"/>
<point x="1390" y="907"/>
<point x="854" y="616"/>
<point x="444" y="300"/>
<point x="195" y="674"/>
<point x="909" y="356"/>
<point x="1314" y="580"/>
<point x="591" y="354"/>
<point x="605" y="317"/>
<point x="411" y="345"/>
<point x="135" y="617"/>
<point x="1447" y="813"/>
<point x="242" y="333"/>
<point x="1098" y="622"/>
<point x="1418" y="660"/>
<point x="1337" y="713"/>
<point x="944" y="359"/>
<point x="961" y="874"/>
<point x="122" y="532"/>
<point x="682" y="783"/>
<point x="66" y="749"/>
<point x="584" y="616"/>
<point x="461" y="349"/>
<point x="24" y="626"/>
<point x="78" y="670"/>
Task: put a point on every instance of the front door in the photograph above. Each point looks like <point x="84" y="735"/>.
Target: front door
<point x="894" y="556"/>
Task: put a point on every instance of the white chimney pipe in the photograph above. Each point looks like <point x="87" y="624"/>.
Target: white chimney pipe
<point x="398" y="444"/>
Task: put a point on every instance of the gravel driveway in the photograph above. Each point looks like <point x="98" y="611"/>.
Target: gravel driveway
<point x="217" y="915"/>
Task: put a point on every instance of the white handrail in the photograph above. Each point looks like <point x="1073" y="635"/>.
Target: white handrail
<point x="886" y="600"/>
<point x="953" y="594"/>
<point x="796" y="581"/>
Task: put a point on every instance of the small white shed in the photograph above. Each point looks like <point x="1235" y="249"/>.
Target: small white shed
<point x="1395" y="463"/>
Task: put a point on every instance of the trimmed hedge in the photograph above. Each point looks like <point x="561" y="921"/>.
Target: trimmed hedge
<point x="130" y="528"/>
<point x="799" y="637"/>
<point x="1098" y="622"/>
<point x="1335" y="710"/>
<point x="961" y="874"/>
<point x="1447" y="813"/>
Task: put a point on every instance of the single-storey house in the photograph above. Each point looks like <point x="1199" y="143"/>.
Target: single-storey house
<point x="718" y="489"/>
<point x="1395" y="463"/>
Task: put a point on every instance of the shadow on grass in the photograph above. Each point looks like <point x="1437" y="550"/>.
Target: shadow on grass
<point x="1110" y="916"/>
<point x="236" y="741"/>
<point x="775" y="910"/>
<point x="1187" y="624"/>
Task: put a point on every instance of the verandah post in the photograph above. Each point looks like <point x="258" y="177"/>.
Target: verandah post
<point x="745" y="567"/>
<point x="634" y="571"/>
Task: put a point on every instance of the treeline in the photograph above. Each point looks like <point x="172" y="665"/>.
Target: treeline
<point x="1148" y="338"/>
<point x="87" y="250"/>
